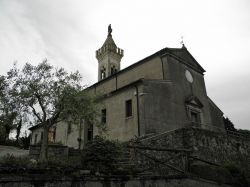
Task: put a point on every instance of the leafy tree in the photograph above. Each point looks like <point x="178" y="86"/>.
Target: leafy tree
<point x="7" y="110"/>
<point x="13" y="114"/>
<point x="244" y="132"/>
<point x="228" y="124"/>
<point x="51" y="95"/>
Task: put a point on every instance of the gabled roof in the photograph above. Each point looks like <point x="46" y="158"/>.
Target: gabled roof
<point x="181" y="54"/>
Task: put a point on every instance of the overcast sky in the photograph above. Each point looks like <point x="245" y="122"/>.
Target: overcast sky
<point x="67" y="33"/>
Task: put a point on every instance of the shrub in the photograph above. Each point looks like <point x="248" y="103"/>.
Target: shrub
<point x="210" y="172"/>
<point x="64" y="162"/>
<point x="15" y="162"/>
<point x="238" y="173"/>
<point x="24" y="142"/>
<point x="101" y="155"/>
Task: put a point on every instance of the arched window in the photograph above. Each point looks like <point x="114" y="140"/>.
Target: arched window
<point x="113" y="70"/>
<point x="103" y="73"/>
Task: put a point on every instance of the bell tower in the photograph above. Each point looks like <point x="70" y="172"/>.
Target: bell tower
<point x="109" y="57"/>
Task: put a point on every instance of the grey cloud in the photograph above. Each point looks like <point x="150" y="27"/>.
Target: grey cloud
<point x="233" y="97"/>
<point x="68" y="33"/>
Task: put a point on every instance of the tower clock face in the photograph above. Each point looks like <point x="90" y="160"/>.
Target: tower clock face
<point x="189" y="76"/>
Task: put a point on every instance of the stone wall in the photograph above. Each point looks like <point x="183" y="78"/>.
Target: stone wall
<point x="208" y="145"/>
<point x="53" y="150"/>
<point x="85" y="181"/>
<point x="207" y="154"/>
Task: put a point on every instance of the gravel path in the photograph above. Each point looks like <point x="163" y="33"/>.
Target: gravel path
<point x="12" y="150"/>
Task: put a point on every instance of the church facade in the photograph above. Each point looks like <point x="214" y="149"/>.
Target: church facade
<point x="162" y="92"/>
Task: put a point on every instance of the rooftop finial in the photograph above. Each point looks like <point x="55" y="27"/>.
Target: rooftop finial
<point x="109" y="30"/>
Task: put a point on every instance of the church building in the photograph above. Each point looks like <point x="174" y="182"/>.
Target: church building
<point x="162" y="92"/>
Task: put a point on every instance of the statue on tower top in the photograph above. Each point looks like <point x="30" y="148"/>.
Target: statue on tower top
<point x="109" y="30"/>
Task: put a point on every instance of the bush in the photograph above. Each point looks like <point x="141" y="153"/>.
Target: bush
<point x="16" y="162"/>
<point x="2" y="135"/>
<point x="101" y="155"/>
<point x="210" y="172"/>
<point x="64" y="162"/>
<point x="24" y="142"/>
<point x="238" y="173"/>
<point x="9" y="142"/>
<point x="26" y="162"/>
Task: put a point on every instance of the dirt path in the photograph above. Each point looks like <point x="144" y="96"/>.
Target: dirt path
<point x="12" y="150"/>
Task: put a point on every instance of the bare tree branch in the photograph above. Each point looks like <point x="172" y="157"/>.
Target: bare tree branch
<point x="42" y="107"/>
<point x="35" y="113"/>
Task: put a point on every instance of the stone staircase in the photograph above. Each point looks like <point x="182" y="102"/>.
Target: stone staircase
<point x="74" y="152"/>
<point x="125" y="164"/>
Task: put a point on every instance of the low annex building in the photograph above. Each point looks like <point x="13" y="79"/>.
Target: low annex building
<point x="162" y="92"/>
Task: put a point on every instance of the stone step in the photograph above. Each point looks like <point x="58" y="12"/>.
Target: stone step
<point x="124" y="163"/>
<point x="146" y="173"/>
<point x="126" y="154"/>
<point x="124" y="159"/>
<point x="125" y="166"/>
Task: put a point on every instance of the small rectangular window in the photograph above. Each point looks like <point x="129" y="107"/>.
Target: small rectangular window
<point x="128" y="108"/>
<point x="35" y="142"/>
<point x="54" y="134"/>
<point x="41" y="136"/>
<point x="69" y="128"/>
<point x="90" y="133"/>
<point x="195" y="117"/>
<point x="104" y="116"/>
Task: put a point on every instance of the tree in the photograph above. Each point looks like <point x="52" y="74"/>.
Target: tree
<point x="229" y="126"/>
<point x="51" y="95"/>
<point x="7" y="111"/>
<point x="13" y="114"/>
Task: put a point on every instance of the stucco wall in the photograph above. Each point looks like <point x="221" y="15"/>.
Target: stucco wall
<point x="158" y="108"/>
<point x="150" y="69"/>
<point x="68" y="134"/>
<point x="37" y="132"/>
<point x="216" y="116"/>
<point x="65" y="135"/>
<point x="106" y="87"/>
<point x="184" y="89"/>
<point x="118" y="125"/>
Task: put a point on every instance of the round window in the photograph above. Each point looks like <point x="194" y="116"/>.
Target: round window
<point x="189" y="76"/>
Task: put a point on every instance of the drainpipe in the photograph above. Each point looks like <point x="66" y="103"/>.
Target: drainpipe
<point x="138" y="109"/>
<point x="162" y="69"/>
<point x="80" y="134"/>
<point x="115" y="81"/>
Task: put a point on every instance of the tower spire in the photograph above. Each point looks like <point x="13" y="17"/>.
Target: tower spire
<point x="109" y="57"/>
